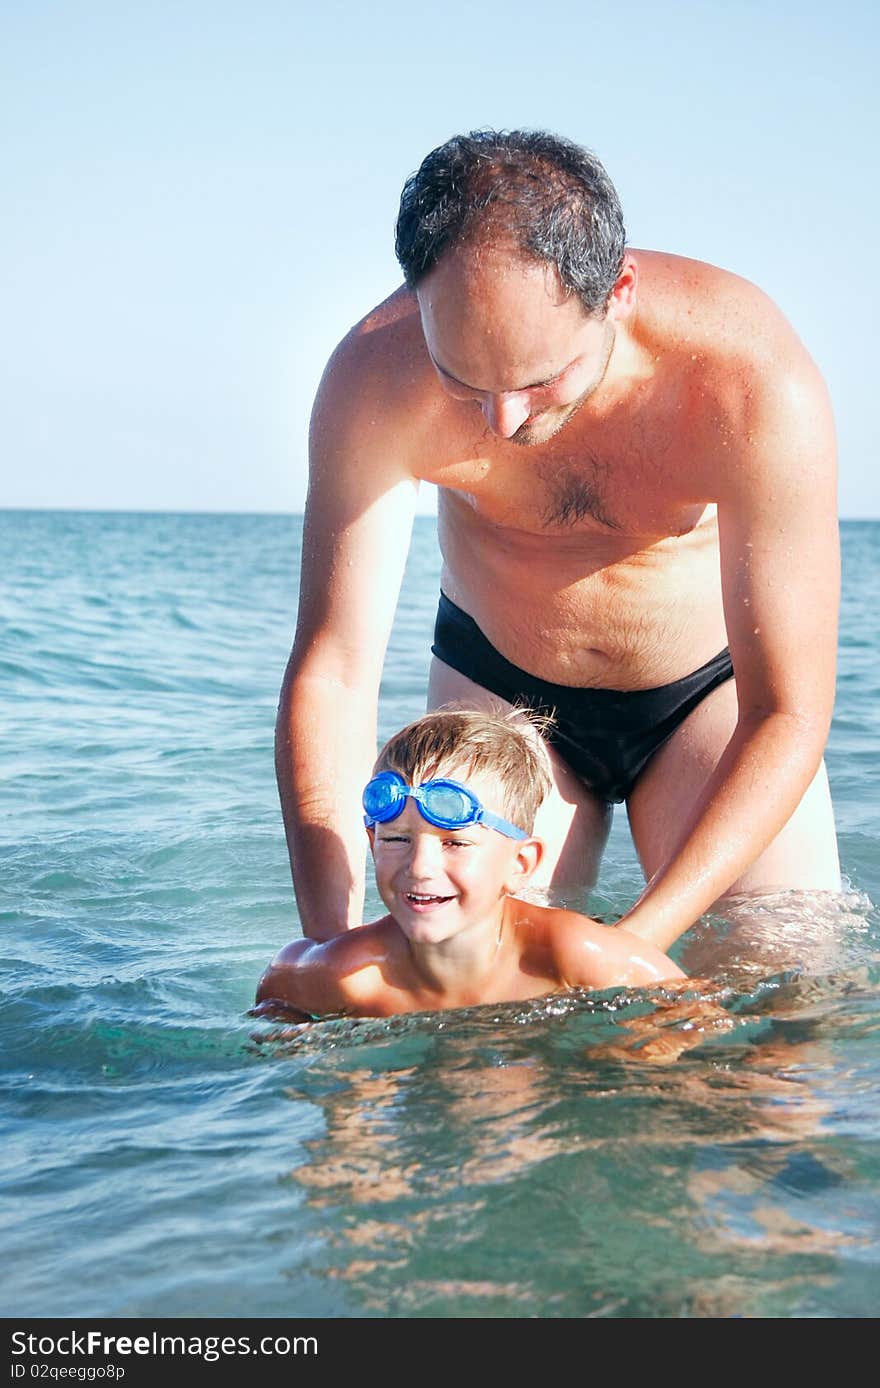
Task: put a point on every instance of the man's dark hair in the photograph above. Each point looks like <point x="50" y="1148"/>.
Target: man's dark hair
<point x="553" y="198"/>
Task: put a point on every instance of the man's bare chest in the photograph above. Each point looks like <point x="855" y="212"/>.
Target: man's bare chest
<point x="579" y="488"/>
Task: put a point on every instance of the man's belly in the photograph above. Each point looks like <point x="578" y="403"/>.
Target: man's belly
<point x="588" y="608"/>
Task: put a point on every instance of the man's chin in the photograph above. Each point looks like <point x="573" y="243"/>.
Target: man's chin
<point x="542" y="429"/>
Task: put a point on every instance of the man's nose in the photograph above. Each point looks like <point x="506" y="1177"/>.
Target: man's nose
<point x="505" y="413"/>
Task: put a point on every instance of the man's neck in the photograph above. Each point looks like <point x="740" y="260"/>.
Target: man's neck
<point x="630" y="366"/>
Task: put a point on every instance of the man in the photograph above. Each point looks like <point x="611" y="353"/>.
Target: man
<point x="635" y="458"/>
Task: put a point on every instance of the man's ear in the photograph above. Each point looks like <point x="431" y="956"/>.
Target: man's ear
<point x="527" y="857"/>
<point x="371" y="835"/>
<point x="623" y="295"/>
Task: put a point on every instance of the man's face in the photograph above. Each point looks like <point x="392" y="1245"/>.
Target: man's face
<point x="503" y="334"/>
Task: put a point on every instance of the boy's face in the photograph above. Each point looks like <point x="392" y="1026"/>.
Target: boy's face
<point x="437" y="883"/>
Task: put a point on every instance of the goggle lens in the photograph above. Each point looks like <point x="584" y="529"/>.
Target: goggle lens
<point x="384" y="797"/>
<point x="447" y="806"/>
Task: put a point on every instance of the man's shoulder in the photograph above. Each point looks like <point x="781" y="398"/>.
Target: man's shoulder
<point x="400" y="310"/>
<point x="715" y="316"/>
<point x="691" y="283"/>
<point x="385" y="348"/>
<point x="379" y="386"/>
<point x="747" y="376"/>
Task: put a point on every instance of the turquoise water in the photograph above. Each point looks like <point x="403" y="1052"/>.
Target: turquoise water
<point x="166" y="1155"/>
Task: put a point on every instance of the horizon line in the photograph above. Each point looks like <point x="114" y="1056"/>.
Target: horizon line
<point x="195" y="511"/>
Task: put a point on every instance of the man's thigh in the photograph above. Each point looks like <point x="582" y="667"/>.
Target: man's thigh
<point x="804" y="854"/>
<point x="573" y="823"/>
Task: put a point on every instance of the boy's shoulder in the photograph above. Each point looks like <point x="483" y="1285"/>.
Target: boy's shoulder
<point x="588" y="954"/>
<point x="569" y="934"/>
<point x="335" y="975"/>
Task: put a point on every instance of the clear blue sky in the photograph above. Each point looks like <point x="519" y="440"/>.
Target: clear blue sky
<point x="199" y="200"/>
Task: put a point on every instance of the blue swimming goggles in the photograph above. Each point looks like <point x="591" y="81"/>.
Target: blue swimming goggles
<point x="445" y="804"/>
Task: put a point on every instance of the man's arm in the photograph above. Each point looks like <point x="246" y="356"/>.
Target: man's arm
<point x="359" y="515"/>
<point x="780" y="581"/>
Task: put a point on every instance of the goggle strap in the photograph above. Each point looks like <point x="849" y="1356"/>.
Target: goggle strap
<point x="503" y="826"/>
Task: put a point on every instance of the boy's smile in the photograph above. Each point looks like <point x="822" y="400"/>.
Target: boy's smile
<point x="420" y="901"/>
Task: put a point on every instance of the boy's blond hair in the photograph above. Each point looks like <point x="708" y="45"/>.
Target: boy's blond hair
<point x="506" y="744"/>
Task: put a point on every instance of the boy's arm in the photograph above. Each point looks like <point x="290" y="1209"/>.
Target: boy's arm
<point x="591" y="955"/>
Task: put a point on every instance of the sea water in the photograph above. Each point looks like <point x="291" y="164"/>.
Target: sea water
<point x="617" y="1154"/>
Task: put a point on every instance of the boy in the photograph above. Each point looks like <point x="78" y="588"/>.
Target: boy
<point x="449" y="814"/>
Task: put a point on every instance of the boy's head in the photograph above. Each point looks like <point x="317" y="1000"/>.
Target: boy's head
<point x="438" y="881"/>
<point x="503" y="747"/>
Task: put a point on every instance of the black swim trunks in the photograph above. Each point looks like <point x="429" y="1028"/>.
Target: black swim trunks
<point x="605" y="735"/>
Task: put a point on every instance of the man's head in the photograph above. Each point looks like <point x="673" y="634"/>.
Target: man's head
<point x="437" y="881"/>
<point x="515" y="246"/>
<point x="545" y="196"/>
